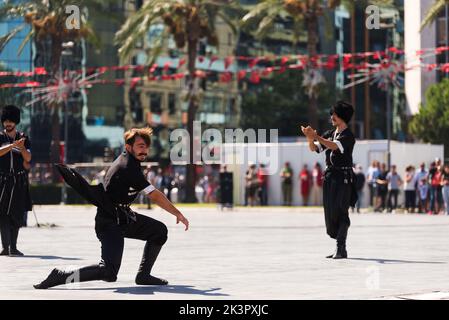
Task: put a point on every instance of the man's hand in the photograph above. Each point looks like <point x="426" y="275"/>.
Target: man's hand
<point x="309" y="132"/>
<point x="183" y="220"/>
<point x="19" y="144"/>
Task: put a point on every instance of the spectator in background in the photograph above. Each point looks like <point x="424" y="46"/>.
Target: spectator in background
<point x="422" y="187"/>
<point x="247" y="185"/>
<point x="439" y="188"/>
<point x="435" y="187"/>
<point x="382" y="189"/>
<point x="253" y="184"/>
<point x="305" y="179"/>
<point x="317" y="185"/>
<point x="445" y="187"/>
<point x="371" y="176"/>
<point x="360" y="184"/>
<point x="287" y="184"/>
<point x="262" y="178"/>
<point x="151" y="177"/>
<point x="394" y="184"/>
<point x="410" y="189"/>
<point x="159" y="180"/>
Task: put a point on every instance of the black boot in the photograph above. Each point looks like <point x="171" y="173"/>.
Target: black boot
<point x="58" y="277"/>
<point x="144" y="276"/>
<point x="341" y="252"/>
<point x="13" y="252"/>
<point x="5" y="252"/>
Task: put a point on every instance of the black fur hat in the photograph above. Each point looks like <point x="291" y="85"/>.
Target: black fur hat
<point x="343" y="110"/>
<point x="11" y="113"/>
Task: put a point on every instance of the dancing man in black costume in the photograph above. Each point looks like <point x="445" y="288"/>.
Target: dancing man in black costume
<point x="122" y="183"/>
<point x="339" y="183"/>
<point x="15" y="197"/>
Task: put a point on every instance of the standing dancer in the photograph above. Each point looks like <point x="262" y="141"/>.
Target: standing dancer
<point x="14" y="192"/>
<point x="339" y="184"/>
<point x="116" y="221"/>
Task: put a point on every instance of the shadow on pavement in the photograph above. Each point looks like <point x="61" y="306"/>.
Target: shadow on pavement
<point x="388" y="261"/>
<point x="176" y="289"/>
<point x="47" y="257"/>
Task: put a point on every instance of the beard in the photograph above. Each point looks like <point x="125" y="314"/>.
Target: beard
<point x="10" y="128"/>
<point x="138" y="155"/>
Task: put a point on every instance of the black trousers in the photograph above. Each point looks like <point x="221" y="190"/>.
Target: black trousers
<point x="410" y="199"/>
<point x="336" y="201"/>
<point x="9" y="233"/>
<point x="393" y="199"/>
<point x="112" y="237"/>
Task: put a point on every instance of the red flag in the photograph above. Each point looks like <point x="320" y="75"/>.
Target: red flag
<point x="241" y="75"/>
<point x="181" y="62"/>
<point x="255" y="77"/>
<point x="134" y="82"/>
<point x="253" y="63"/>
<point x="212" y="60"/>
<point x="284" y="60"/>
<point x="228" y="61"/>
<point x="167" y="66"/>
<point x="40" y="71"/>
<point x="226" y="77"/>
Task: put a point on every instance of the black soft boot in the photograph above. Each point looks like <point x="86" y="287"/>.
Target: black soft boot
<point x="144" y="276"/>
<point x="331" y="255"/>
<point x="341" y="252"/>
<point x="13" y="252"/>
<point x="58" y="277"/>
<point x="55" y="278"/>
<point x="5" y="252"/>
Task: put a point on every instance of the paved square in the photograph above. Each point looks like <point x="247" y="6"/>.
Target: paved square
<point x="270" y="253"/>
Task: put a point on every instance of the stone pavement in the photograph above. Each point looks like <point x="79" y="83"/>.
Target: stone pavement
<point x="247" y="253"/>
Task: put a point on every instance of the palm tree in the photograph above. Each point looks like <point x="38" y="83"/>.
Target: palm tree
<point x="187" y="21"/>
<point x="302" y="12"/>
<point x="434" y="11"/>
<point x="47" y="19"/>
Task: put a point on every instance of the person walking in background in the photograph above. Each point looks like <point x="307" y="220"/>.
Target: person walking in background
<point x="360" y="184"/>
<point x="394" y="184"/>
<point x="410" y="189"/>
<point x="382" y="188"/>
<point x="422" y="187"/>
<point x="287" y="184"/>
<point x="252" y="181"/>
<point x="445" y="187"/>
<point x="317" y="185"/>
<point x="371" y="176"/>
<point x="305" y="179"/>
<point x="262" y="177"/>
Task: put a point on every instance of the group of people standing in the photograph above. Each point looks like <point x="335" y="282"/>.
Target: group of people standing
<point x="426" y="191"/>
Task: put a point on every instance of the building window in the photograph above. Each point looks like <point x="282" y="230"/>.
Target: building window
<point x="135" y="105"/>
<point x="171" y="104"/>
<point x="155" y="102"/>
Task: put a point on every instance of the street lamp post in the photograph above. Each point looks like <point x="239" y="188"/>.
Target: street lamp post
<point x="67" y="46"/>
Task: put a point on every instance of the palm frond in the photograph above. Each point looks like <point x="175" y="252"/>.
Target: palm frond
<point x="433" y="12"/>
<point x="7" y="37"/>
<point x="258" y="11"/>
<point x="28" y="37"/>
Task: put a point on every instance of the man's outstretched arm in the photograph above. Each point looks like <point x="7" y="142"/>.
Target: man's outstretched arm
<point x="161" y="200"/>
